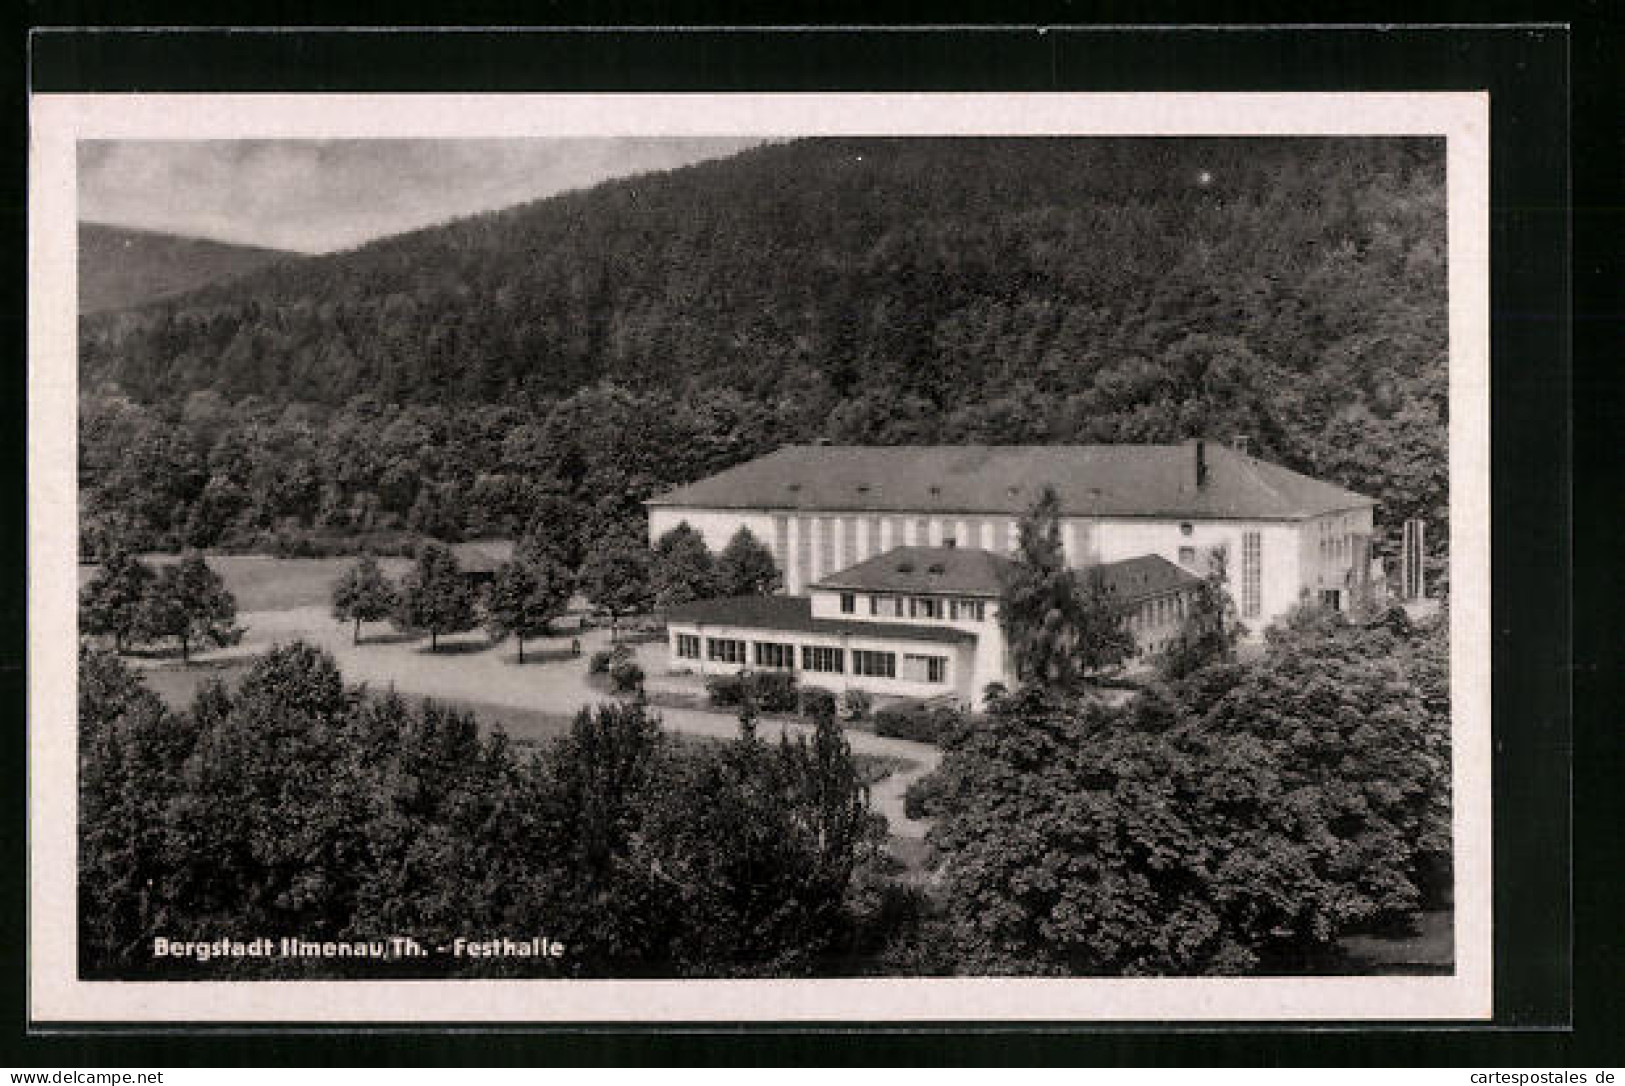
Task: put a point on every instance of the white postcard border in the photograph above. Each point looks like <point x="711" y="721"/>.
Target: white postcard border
<point x="59" y="121"/>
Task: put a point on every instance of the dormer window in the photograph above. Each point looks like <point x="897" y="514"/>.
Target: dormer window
<point x="936" y="492"/>
<point x="936" y="568"/>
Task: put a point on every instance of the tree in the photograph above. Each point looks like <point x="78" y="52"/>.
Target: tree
<point x="1241" y="820"/>
<point x="131" y="753"/>
<point x="190" y="603"/>
<point x="115" y="601"/>
<point x="1210" y="629"/>
<point x="682" y="568"/>
<point x="363" y="594"/>
<point x="524" y="599"/>
<point x="615" y="577"/>
<point x="434" y="596"/>
<point x="746" y="567"/>
<point x="1060" y="628"/>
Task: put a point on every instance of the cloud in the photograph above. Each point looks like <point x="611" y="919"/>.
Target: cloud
<point x="323" y="195"/>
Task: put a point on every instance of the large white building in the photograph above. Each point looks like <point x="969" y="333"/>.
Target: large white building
<point x="823" y="508"/>
<point x="842" y="522"/>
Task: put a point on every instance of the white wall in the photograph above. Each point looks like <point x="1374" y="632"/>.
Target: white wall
<point x="960" y="675"/>
<point x="815" y="544"/>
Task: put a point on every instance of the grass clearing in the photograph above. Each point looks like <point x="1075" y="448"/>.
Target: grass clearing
<point x="263" y="583"/>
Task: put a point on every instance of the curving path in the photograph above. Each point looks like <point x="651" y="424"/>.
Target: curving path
<point x="469" y="669"/>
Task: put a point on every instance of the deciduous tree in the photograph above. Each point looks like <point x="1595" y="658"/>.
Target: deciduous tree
<point x="190" y="603"/>
<point x="434" y="596"/>
<point x="615" y="577"/>
<point x="524" y="599"/>
<point x="114" y="603"/>
<point x="363" y="594"/>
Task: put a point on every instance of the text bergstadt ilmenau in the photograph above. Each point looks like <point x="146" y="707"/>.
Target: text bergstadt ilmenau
<point x="387" y="948"/>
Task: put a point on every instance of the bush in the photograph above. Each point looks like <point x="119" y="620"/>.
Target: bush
<point x="604" y="660"/>
<point x="815" y="701"/>
<point x="940" y="727"/>
<point x="725" y="691"/>
<point x="626" y="674"/>
<point x="853" y="704"/>
<point x="774" y="691"/>
<point x="924" y="797"/>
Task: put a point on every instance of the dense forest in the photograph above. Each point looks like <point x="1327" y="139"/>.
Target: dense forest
<point x="582" y="352"/>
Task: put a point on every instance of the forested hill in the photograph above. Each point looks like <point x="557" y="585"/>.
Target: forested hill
<point x="876" y="290"/>
<point x="120" y="268"/>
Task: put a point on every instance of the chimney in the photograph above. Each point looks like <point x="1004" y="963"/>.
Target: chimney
<point x="1201" y="463"/>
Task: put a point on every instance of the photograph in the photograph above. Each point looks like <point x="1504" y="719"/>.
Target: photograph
<point x="913" y="558"/>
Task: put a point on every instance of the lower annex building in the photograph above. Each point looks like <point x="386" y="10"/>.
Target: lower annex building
<point x="891" y="557"/>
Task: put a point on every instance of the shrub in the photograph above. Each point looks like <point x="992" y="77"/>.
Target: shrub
<point x="626" y="674"/>
<point x="815" y="701"/>
<point x="940" y="727"/>
<point x="604" y="660"/>
<point x="725" y="690"/>
<point x="924" y="797"/>
<point x="853" y="704"/>
<point x="774" y="691"/>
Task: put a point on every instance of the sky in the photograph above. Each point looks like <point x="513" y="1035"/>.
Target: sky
<point x="318" y="196"/>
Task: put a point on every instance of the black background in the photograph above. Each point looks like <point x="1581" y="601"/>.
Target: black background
<point x="1551" y="1009"/>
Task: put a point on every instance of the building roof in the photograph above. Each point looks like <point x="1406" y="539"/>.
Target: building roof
<point x="959" y="571"/>
<point x="1090" y="480"/>
<point x="793" y="614"/>
<point x="1134" y="579"/>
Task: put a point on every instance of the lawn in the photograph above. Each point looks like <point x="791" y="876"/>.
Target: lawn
<point x="262" y="583"/>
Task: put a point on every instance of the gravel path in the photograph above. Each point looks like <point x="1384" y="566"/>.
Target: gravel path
<point x="468" y="668"/>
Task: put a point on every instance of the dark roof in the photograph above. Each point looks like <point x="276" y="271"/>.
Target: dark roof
<point x="1091" y="480"/>
<point x="1140" y="578"/>
<point x="482" y="555"/>
<point x="794" y="613"/>
<point x="962" y="571"/>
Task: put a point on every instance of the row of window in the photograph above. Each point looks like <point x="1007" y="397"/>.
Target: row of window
<point x="1157" y="612"/>
<point x="956" y="610"/>
<point x="820" y="658"/>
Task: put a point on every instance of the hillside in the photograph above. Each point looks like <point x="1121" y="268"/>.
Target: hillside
<point x="597" y="346"/>
<point x="121" y="268"/>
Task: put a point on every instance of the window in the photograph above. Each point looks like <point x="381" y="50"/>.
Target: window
<point x="874" y="605"/>
<point x="725" y="650"/>
<point x="981" y="610"/>
<point x="820" y="658"/>
<point x="1252" y="561"/>
<point x="1185" y="529"/>
<point x="772" y="655"/>
<point x="880" y="665"/>
<point x="925" y="669"/>
<point x="897" y="606"/>
<point x="1187" y="557"/>
<point x="688" y="646"/>
<point x="924" y="607"/>
<point x="849" y="603"/>
<point x="953" y="610"/>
